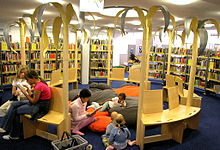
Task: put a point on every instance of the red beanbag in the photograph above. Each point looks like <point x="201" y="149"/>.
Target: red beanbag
<point x="130" y="91"/>
<point x="100" y="124"/>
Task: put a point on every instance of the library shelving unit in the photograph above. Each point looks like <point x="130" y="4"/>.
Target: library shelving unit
<point x="99" y="58"/>
<point x="53" y="59"/>
<point x="157" y="64"/>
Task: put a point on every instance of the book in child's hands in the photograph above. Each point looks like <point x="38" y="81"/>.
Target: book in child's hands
<point x="97" y="109"/>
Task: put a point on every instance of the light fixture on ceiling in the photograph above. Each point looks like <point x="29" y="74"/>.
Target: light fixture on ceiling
<point x="74" y="22"/>
<point x="181" y="2"/>
<point x="91" y="18"/>
<point x="114" y="11"/>
<point x="92" y="27"/>
<point x="134" y="22"/>
<point x="31" y="11"/>
<point x="111" y="25"/>
<point x="48" y="1"/>
<point x="209" y="25"/>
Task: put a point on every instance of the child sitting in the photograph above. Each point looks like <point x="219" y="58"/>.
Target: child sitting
<point x="105" y="137"/>
<point x="119" y="136"/>
<point x="110" y="103"/>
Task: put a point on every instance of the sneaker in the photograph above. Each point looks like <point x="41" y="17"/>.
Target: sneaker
<point x="2" y="130"/>
<point x="8" y="137"/>
<point x="2" y="113"/>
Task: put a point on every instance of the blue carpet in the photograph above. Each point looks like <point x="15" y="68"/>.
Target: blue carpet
<point x="207" y="137"/>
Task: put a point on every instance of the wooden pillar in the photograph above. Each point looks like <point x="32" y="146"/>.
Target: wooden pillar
<point x="76" y="54"/>
<point x="23" y="56"/>
<point x="109" y="32"/>
<point x="193" y="69"/>
<point x="143" y="75"/>
<point x="66" y="75"/>
<point x="169" y="51"/>
<point x="41" y="57"/>
<point x="147" y="57"/>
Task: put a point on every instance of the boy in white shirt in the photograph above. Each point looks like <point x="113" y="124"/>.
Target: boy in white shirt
<point x="110" y="103"/>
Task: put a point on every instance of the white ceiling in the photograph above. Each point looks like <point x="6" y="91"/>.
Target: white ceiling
<point x="11" y="10"/>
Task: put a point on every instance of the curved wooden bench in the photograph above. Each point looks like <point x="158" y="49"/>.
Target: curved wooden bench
<point x="173" y="121"/>
<point x="55" y="116"/>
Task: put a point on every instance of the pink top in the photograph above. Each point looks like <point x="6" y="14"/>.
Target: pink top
<point x="45" y="90"/>
<point x="78" y="112"/>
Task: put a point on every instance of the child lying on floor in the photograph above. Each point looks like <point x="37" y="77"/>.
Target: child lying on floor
<point x="110" y="103"/>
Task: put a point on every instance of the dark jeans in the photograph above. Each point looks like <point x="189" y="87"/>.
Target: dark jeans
<point x="11" y="121"/>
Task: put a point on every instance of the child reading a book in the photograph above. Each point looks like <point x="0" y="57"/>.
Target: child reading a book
<point x="110" y="103"/>
<point x="36" y="106"/>
<point x="79" y="117"/>
<point x="16" y="92"/>
<point x="119" y="136"/>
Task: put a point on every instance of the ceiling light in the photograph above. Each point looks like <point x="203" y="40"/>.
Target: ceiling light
<point x="31" y="11"/>
<point x="208" y="25"/>
<point x="181" y="2"/>
<point x="135" y="22"/>
<point x="114" y="11"/>
<point x="74" y="22"/>
<point x="48" y="1"/>
<point x="95" y="27"/>
<point x="141" y="29"/>
<point x="111" y="25"/>
<point x="91" y="18"/>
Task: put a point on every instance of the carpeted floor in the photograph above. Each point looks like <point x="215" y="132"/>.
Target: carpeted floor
<point x="207" y="137"/>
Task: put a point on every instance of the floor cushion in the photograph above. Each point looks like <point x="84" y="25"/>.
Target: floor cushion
<point x="130" y="91"/>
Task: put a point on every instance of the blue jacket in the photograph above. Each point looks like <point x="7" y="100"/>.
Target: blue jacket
<point x="119" y="141"/>
<point x="108" y="130"/>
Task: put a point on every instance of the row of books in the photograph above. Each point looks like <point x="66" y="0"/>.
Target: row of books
<point x="158" y="50"/>
<point x="156" y="75"/>
<point x="99" y="64"/>
<point x="215" y="76"/>
<point x="100" y="56"/>
<point x="8" y="79"/>
<point x="177" y="68"/>
<point x="99" y="73"/>
<point x="217" y="88"/>
<point x="199" y="82"/>
<point x="99" y="47"/>
<point x="97" y="41"/>
<point x="156" y="66"/>
<point x="200" y="73"/>
<point x="156" y="58"/>
<point x="7" y="68"/>
<point x="181" y="51"/>
<point x="178" y="60"/>
<point x="47" y="75"/>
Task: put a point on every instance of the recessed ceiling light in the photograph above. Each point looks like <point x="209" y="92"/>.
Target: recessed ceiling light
<point x="95" y="27"/>
<point x="181" y="2"/>
<point x="135" y="22"/>
<point x="47" y="1"/>
<point x="114" y="11"/>
<point x="111" y="25"/>
<point x="91" y="18"/>
<point x="208" y="25"/>
<point x="74" y="22"/>
<point x="31" y="11"/>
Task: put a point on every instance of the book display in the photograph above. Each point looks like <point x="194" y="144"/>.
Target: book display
<point x="99" y="58"/>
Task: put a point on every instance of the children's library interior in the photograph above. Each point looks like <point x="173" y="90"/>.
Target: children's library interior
<point x="107" y="74"/>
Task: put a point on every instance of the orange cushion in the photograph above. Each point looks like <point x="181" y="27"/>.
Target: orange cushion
<point x="100" y="124"/>
<point x="130" y="91"/>
<point x="98" y="113"/>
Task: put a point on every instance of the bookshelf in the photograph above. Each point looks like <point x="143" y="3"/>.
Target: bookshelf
<point x="99" y="58"/>
<point x="11" y="61"/>
<point x="157" y="64"/>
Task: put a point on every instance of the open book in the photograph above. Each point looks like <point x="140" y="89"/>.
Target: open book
<point x="97" y="109"/>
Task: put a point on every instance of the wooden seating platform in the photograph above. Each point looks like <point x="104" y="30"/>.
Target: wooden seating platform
<point x="55" y="116"/>
<point x="173" y="121"/>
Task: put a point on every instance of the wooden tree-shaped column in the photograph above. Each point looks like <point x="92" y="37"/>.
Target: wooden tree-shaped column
<point x="66" y="17"/>
<point x="22" y="34"/>
<point x="147" y="31"/>
<point x="109" y="33"/>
